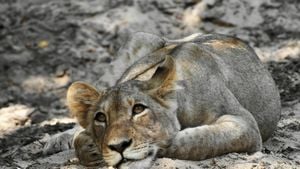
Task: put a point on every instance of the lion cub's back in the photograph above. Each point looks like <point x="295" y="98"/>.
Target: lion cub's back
<point x="237" y="66"/>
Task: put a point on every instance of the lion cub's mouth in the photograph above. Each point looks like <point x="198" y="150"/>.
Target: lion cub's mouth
<point x="126" y="160"/>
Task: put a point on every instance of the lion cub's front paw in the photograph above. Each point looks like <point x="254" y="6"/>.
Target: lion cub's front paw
<point x="87" y="150"/>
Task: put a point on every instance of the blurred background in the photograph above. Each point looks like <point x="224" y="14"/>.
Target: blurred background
<point x="45" y="45"/>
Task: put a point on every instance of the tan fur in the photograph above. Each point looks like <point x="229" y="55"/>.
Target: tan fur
<point x="204" y="96"/>
<point x="228" y="43"/>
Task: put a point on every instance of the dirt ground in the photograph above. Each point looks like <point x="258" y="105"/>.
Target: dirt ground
<point x="47" y="44"/>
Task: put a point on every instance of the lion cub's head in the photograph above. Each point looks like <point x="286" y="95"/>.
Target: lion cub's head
<point x="132" y="120"/>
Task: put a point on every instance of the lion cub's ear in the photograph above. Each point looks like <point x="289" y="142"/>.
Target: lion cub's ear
<point x="81" y="98"/>
<point x="164" y="79"/>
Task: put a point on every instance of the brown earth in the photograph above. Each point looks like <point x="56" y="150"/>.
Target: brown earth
<point x="46" y="45"/>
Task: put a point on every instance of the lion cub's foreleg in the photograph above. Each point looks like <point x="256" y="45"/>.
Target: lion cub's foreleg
<point x="230" y="133"/>
<point x="87" y="150"/>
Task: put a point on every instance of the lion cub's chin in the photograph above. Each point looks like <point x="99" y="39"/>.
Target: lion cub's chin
<point x="145" y="163"/>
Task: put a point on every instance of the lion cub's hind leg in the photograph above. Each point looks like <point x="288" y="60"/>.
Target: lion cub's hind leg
<point x="59" y="142"/>
<point x="87" y="150"/>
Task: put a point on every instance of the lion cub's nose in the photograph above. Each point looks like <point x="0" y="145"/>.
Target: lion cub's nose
<point x="120" y="147"/>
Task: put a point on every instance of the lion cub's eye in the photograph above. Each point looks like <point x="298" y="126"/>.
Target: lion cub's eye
<point x="138" y="108"/>
<point x="100" y="117"/>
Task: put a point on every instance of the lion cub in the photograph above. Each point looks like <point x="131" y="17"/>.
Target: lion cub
<point x="193" y="98"/>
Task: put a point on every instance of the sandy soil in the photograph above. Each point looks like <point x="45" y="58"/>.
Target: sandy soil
<point x="46" y="45"/>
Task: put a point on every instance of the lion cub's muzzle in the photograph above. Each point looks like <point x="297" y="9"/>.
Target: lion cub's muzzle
<point x="124" y="144"/>
<point x="121" y="146"/>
